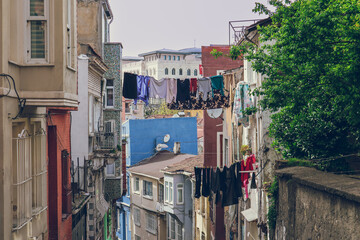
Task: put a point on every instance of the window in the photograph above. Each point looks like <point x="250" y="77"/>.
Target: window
<point x="136" y="216"/>
<point x="151" y="223"/>
<point x="170" y="192"/>
<point x="137" y="185"/>
<point x="165" y="57"/>
<point x="147" y="188"/>
<point x="166" y="71"/>
<point x="65" y="182"/>
<point x="109" y="92"/>
<point x="172" y="228"/>
<point x="179" y="230"/>
<point x="68" y="32"/>
<point x="37" y="23"/>
<point x="110" y="170"/>
<point x="195" y="72"/>
<point x="180" y="193"/>
<point x="173" y="71"/>
<point x="161" y="193"/>
<point x="174" y="58"/>
<point x="226" y="151"/>
<point x="166" y="191"/>
<point x="180" y="71"/>
<point x="39" y="178"/>
<point x="21" y="167"/>
<point x="169" y="57"/>
<point x="188" y="72"/>
<point x="178" y="58"/>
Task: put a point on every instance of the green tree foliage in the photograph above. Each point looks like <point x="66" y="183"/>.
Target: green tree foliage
<point x="162" y="109"/>
<point x="310" y="55"/>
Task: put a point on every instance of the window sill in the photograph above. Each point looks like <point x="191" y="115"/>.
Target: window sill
<point x="137" y="193"/>
<point x="148" y="197"/>
<point x="151" y="231"/>
<point x="32" y="64"/>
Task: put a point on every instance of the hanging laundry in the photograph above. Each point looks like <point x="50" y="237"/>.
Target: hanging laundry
<point x="193" y="86"/>
<point x="217" y="84"/>
<point x="204" y="88"/>
<point x="197" y="182"/>
<point x="171" y="90"/>
<point x="205" y="189"/>
<point x="158" y="88"/>
<point x="130" y="86"/>
<point x="230" y="195"/>
<point x="183" y="90"/>
<point x="215" y="185"/>
<point x="142" y="89"/>
<point x="253" y="182"/>
<point x="238" y="180"/>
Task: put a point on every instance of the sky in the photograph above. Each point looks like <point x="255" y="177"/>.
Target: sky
<point x="147" y="25"/>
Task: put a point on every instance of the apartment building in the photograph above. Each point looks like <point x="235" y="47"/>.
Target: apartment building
<point x="38" y="94"/>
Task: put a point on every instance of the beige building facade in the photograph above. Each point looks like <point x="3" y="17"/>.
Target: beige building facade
<point x="38" y="60"/>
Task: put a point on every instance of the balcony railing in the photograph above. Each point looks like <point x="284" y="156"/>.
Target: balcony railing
<point x="105" y="140"/>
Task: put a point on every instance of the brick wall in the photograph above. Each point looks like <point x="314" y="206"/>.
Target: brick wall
<point x="58" y="122"/>
<point x="211" y="64"/>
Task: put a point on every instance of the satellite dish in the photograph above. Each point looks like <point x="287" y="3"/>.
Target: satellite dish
<point x="214" y="113"/>
<point x="161" y="146"/>
<point x="166" y="138"/>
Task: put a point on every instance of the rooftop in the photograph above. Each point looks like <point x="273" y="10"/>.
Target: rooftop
<point x="184" y="51"/>
<point x="152" y="166"/>
<point x="185" y="166"/>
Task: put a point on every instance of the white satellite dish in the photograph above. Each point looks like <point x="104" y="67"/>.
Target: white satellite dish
<point x="214" y="113"/>
<point x="166" y="138"/>
<point x="161" y="146"/>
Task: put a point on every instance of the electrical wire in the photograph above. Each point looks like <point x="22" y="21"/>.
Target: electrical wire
<point x="7" y="78"/>
<point x="22" y="101"/>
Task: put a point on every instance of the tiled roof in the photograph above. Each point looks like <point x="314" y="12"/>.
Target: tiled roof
<point x="152" y="166"/>
<point x="186" y="165"/>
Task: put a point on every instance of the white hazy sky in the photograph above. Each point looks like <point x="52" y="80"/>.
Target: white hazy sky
<point x="147" y="25"/>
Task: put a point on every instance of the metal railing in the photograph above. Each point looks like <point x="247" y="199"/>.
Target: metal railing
<point x="238" y="29"/>
<point x="105" y="140"/>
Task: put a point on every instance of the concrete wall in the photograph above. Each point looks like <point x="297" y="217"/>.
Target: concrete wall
<point x="317" y="205"/>
<point x="144" y="134"/>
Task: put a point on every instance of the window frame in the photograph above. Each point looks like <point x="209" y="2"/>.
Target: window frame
<point x="180" y="186"/>
<point x="27" y="38"/>
<point x="106" y="94"/>
<point x="151" y="220"/>
<point x="137" y="185"/>
<point x="171" y="193"/>
<point x="173" y="71"/>
<point x="145" y="190"/>
<point x="180" y="71"/>
<point x="195" y="72"/>
<point x="166" y="199"/>
<point x="137" y="217"/>
<point x="188" y="72"/>
<point x="166" y="71"/>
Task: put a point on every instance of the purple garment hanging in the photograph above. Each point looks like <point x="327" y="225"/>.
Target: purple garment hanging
<point x="142" y="89"/>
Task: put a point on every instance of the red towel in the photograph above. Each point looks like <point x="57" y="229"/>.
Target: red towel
<point x="193" y="85"/>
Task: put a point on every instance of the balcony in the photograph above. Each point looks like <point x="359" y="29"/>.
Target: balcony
<point x="105" y="140"/>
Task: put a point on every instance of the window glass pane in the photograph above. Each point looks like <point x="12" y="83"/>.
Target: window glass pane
<point x="110" y="96"/>
<point x="172" y="228"/>
<point x="109" y="82"/>
<point x="179" y="231"/>
<point x="180" y="195"/>
<point x="36" y="7"/>
<point x="37" y="39"/>
<point x="110" y="169"/>
<point x="178" y="58"/>
<point x="169" y="57"/>
<point x="174" y="58"/>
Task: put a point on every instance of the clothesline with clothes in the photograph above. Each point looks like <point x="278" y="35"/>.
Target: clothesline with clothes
<point x="179" y="94"/>
<point x="226" y="183"/>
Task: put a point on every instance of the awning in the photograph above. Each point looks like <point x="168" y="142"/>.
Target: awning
<point x="102" y="206"/>
<point x="250" y="214"/>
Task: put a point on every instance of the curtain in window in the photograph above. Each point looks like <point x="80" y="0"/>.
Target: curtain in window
<point x="36" y="7"/>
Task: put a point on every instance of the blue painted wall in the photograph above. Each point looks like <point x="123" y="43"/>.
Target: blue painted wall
<point x="144" y="134"/>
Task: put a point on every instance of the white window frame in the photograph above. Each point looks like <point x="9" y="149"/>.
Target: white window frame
<point x="226" y="151"/>
<point x="151" y="223"/>
<point x="179" y="232"/>
<point x="171" y="192"/>
<point x="27" y="38"/>
<point x="69" y="57"/>
<point x="136" y="217"/>
<point x="166" y="192"/>
<point x="22" y="179"/>
<point x="106" y="94"/>
<point x="110" y="167"/>
<point x="180" y="186"/>
<point x="137" y="184"/>
<point x="144" y="190"/>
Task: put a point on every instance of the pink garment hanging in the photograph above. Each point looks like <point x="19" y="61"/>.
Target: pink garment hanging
<point x="171" y="90"/>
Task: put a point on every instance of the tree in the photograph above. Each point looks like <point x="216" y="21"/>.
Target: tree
<point x="312" y="70"/>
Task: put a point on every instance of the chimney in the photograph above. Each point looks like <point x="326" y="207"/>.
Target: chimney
<point x="176" y="147"/>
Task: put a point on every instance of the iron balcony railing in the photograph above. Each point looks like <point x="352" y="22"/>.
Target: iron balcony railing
<point x="105" y="140"/>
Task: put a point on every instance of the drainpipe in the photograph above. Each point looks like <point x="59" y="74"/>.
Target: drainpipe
<point x="123" y="165"/>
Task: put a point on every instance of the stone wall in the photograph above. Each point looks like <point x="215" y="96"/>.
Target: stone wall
<point x="317" y="205"/>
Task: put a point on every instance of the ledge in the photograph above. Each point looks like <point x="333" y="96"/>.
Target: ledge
<point x="340" y="185"/>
